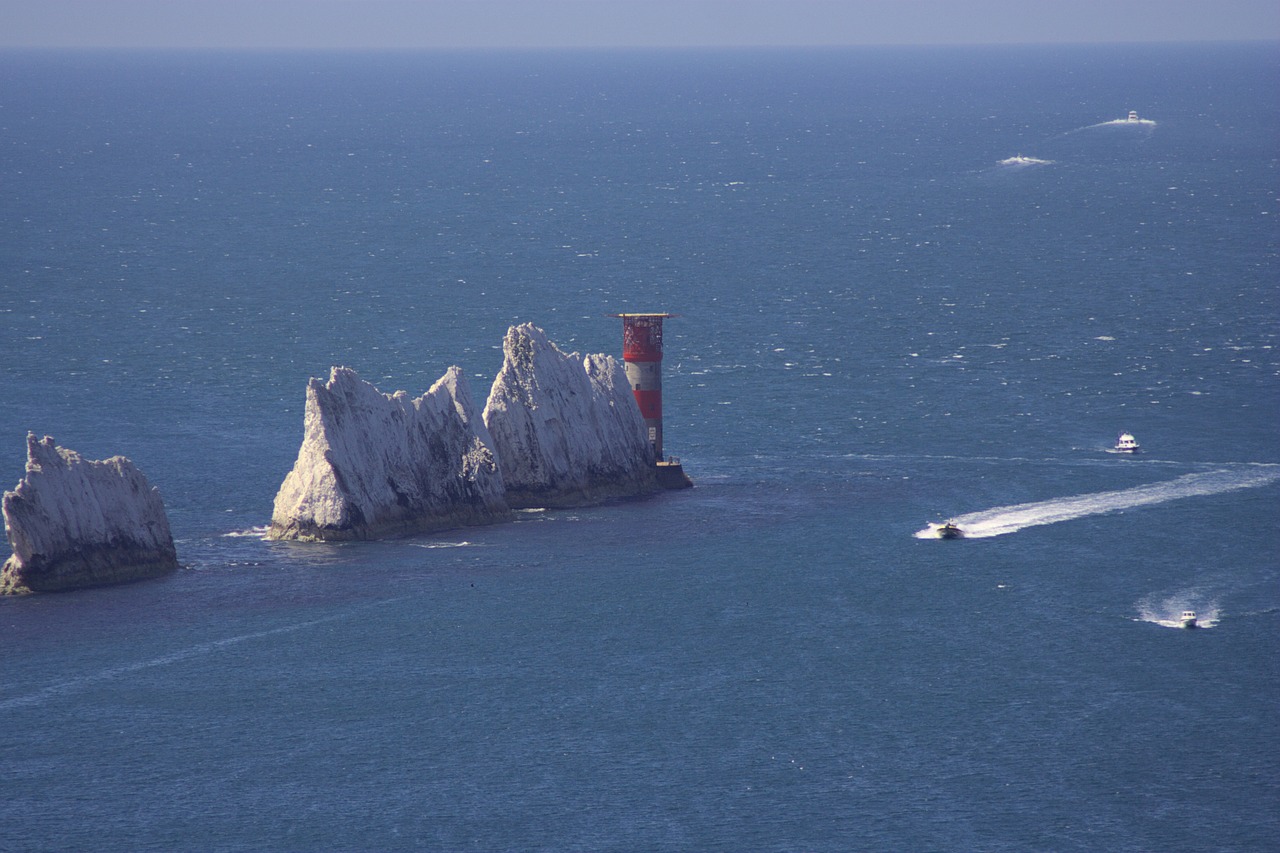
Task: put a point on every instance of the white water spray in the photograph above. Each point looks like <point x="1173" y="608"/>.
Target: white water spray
<point x="1167" y="612"/>
<point x="1010" y="519"/>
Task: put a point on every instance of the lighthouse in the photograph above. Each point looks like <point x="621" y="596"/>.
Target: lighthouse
<point x="642" y="359"/>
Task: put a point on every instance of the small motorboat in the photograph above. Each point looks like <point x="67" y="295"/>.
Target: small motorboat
<point x="950" y="530"/>
<point x="1126" y="443"/>
<point x="1133" y="116"/>
<point x="1188" y="619"/>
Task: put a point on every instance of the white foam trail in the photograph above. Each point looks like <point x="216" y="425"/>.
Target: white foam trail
<point x="1117" y="122"/>
<point x="1167" y="612"/>
<point x="251" y="533"/>
<point x="1020" y="160"/>
<point x="463" y="544"/>
<point x="1125" y="122"/>
<point x="1010" y="519"/>
<point x="70" y="685"/>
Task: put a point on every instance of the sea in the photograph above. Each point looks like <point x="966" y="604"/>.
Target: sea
<point x="911" y="285"/>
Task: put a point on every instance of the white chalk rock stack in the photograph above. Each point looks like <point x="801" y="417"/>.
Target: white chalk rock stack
<point x="374" y="465"/>
<point x="75" y="523"/>
<point x="567" y="429"/>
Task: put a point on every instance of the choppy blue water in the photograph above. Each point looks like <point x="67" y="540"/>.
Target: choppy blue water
<point x="881" y="326"/>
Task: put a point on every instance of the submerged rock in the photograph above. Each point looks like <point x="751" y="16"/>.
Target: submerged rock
<point x="373" y="464"/>
<point x="75" y="523"/>
<point x="567" y="429"/>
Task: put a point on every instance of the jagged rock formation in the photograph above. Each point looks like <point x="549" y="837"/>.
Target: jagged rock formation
<point x="75" y="523"/>
<point x="567" y="429"/>
<point x="374" y="465"/>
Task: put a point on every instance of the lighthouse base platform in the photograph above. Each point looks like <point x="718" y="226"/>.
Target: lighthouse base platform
<point x="671" y="475"/>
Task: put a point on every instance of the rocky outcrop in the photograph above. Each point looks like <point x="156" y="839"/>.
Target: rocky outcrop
<point x="566" y="428"/>
<point x="75" y="523"/>
<point x="374" y="465"/>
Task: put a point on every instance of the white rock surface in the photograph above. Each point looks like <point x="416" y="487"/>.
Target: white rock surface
<point x="374" y="465"/>
<point x="76" y="522"/>
<point x="566" y="428"/>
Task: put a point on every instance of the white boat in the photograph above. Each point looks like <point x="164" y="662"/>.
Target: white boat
<point x="1189" y="619"/>
<point x="1133" y="116"/>
<point x="1126" y="443"/>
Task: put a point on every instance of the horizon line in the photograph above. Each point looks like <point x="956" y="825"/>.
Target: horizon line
<point x="595" y="48"/>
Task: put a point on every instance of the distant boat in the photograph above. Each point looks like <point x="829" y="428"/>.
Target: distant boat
<point x="1133" y="116"/>
<point x="1126" y="443"/>
<point x="950" y="530"/>
<point x="1189" y="619"/>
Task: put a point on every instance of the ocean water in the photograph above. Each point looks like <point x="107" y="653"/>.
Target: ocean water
<point x="881" y="326"/>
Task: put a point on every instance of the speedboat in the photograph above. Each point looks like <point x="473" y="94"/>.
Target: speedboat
<point x="1188" y="619"/>
<point x="1133" y="116"/>
<point x="1126" y="443"/>
<point x="950" y="530"/>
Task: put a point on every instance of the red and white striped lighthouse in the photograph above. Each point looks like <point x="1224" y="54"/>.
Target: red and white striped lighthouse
<point x="642" y="359"/>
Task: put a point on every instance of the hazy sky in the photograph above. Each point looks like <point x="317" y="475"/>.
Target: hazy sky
<point x="399" y="24"/>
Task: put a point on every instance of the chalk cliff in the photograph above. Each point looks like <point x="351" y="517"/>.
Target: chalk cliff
<point x="76" y="523"/>
<point x="373" y="464"/>
<point x="566" y="428"/>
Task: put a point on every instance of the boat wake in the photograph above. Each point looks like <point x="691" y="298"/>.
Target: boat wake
<point x="1010" y="519"/>
<point x="433" y="545"/>
<point x="1167" y="612"/>
<point x="1132" y="121"/>
<point x="1020" y="160"/>
<point x="1125" y="122"/>
<point x="71" y="685"/>
<point x="251" y="533"/>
